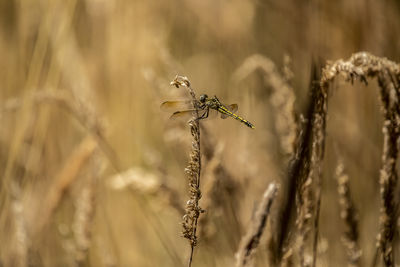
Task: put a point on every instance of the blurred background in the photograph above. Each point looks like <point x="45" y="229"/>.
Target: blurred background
<point x="92" y="171"/>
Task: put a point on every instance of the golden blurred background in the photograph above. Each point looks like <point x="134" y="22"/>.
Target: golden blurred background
<point x="92" y="170"/>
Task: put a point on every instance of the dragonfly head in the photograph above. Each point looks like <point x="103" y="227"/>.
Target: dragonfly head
<point x="203" y="98"/>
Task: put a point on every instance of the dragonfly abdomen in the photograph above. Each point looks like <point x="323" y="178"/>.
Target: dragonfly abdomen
<point x="236" y="117"/>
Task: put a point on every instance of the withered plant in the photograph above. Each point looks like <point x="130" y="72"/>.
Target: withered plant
<point x="364" y="66"/>
<point x="305" y="167"/>
<point x="349" y="215"/>
<point x="249" y="243"/>
<point x="193" y="170"/>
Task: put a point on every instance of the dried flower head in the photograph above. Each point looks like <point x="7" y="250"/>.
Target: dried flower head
<point x="192" y="210"/>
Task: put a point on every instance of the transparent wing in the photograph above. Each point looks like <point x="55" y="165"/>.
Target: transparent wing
<point x="177" y="105"/>
<point x="184" y="114"/>
<point x="188" y="114"/>
<point x="232" y="108"/>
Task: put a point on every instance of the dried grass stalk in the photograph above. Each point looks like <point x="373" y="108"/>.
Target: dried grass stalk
<point x="308" y="182"/>
<point x="363" y="65"/>
<point x="83" y="219"/>
<point x="388" y="176"/>
<point x="281" y="250"/>
<point x="86" y="116"/>
<point x="305" y="214"/>
<point x="349" y="216"/>
<point x="282" y="98"/>
<point x="221" y="194"/>
<point x="317" y="156"/>
<point x="251" y="240"/>
<point x="65" y="178"/>
<point x="192" y="210"/>
<point x="20" y="244"/>
<point x="147" y="183"/>
<point x="85" y="210"/>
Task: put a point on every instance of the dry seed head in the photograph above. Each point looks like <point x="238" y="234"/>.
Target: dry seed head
<point x="363" y="65"/>
<point x="251" y="240"/>
<point x="180" y="81"/>
<point x="137" y="178"/>
<point x="349" y="216"/>
<point x="148" y="183"/>
<point x="192" y="210"/>
<point x="282" y="98"/>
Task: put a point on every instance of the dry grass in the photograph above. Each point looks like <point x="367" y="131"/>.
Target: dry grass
<point x="193" y="170"/>
<point x="282" y="97"/>
<point x="66" y="178"/>
<point x="364" y="66"/>
<point x="251" y="240"/>
<point x="92" y="172"/>
<point x="348" y="214"/>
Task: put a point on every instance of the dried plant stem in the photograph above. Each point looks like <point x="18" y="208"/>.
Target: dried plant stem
<point x="85" y="116"/>
<point x="282" y="97"/>
<point x="250" y="241"/>
<point x="221" y="194"/>
<point x="316" y="165"/>
<point x="192" y="210"/>
<point x="316" y="223"/>
<point x="297" y="166"/>
<point x="283" y="101"/>
<point x="85" y="210"/>
<point x="147" y="183"/>
<point x="363" y="65"/>
<point x="305" y="213"/>
<point x="20" y="242"/>
<point x="309" y="181"/>
<point x="388" y="176"/>
<point x="349" y="216"/>
<point x="192" y="207"/>
<point x="66" y="177"/>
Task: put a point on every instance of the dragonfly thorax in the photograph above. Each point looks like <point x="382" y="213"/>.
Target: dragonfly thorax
<point x="203" y="98"/>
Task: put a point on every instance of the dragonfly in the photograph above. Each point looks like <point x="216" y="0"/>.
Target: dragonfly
<point x="206" y="106"/>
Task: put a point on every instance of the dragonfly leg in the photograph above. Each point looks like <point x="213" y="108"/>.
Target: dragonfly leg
<point x="205" y="114"/>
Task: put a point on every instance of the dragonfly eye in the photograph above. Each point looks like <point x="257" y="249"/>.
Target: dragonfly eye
<point x="203" y="98"/>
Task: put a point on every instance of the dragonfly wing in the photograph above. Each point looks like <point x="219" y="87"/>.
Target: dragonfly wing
<point x="183" y="114"/>
<point x="177" y="105"/>
<point x="190" y="113"/>
<point x="232" y="108"/>
<point x="187" y="114"/>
